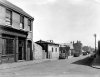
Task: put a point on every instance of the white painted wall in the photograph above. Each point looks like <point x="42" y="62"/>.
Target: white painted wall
<point x="54" y="54"/>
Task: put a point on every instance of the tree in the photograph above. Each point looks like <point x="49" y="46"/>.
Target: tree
<point x="85" y="48"/>
<point x="88" y="49"/>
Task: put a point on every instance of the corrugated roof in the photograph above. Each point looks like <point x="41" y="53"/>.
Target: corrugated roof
<point x="14" y="7"/>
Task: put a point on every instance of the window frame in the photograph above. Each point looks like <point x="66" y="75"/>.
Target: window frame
<point x="8" y="49"/>
<point x="22" y="21"/>
<point x="56" y="49"/>
<point x="10" y="16"/>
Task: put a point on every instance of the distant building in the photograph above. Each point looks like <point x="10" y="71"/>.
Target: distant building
<point x="16" y="31"/>
<point x="64" y="51"/>
<point x="71" y="48"/>
<point x="51" y="49"/>
<point x="77" y="48"/>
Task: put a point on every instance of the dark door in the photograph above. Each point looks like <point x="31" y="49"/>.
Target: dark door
<point x="29" y="49"/>
<point x="21" y="50"/>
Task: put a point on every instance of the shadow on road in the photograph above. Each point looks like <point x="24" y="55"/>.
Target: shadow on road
<point x="86" y="61"/>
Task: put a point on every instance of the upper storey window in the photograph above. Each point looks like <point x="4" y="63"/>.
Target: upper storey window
<point x="22" y="22"/>
<point x="29" y="24"/>
<point x="8" y="17"/>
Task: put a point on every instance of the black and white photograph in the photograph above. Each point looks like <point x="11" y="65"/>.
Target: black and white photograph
<point x="49" y="38"/>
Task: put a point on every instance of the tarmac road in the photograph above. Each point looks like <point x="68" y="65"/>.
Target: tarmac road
<point x="73" y="67"/>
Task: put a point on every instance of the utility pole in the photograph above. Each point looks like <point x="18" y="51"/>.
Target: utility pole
<point x="95" y="41"/>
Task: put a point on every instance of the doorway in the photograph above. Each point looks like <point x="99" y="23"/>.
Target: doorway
<point x="29" y="49"/>
<point x="21" y="50"/>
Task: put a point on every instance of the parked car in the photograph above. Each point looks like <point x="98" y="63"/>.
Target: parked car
<point x="84" y="53"/>
<point x="62" y="56"/>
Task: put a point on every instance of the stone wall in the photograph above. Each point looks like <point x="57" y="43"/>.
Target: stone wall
<point x="38" y="53"/>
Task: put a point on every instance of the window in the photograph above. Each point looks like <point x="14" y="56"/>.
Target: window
<point x="52" y="49"/>
<point x="29" y="24"/>
<point x="22" y="22"/>
<point x="56" y="49"/>
<point x="8" y="46"/>
<point x="8" y="17"/>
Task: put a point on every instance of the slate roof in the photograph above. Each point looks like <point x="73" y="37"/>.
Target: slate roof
<point x="45" y="42"/>
<point x="14" y="7"/>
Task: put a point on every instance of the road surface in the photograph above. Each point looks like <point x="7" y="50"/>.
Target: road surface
<point x="73" y="67"/>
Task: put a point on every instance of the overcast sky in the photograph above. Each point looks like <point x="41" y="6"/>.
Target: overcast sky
<point x="63" y="20"/>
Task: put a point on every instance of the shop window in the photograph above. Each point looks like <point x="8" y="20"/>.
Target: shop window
<point x="8" y="17"/>
<point x="8" y="46"/>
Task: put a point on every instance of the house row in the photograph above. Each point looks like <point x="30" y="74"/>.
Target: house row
<point x="16" y="38"/>
<point x="51" y="50"/>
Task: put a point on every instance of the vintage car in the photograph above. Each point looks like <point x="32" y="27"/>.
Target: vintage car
<point x="76" y="54"/>
<point x="62" y="56"/>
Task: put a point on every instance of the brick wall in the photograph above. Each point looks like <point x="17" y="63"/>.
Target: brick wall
<point x="2" y="15"/>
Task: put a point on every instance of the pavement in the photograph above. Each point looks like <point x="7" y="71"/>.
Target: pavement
<point x="96" y="62"/>
<point x="22" y="63"/>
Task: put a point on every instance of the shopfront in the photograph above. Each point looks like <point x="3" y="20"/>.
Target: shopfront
<point x="14" y="46"/>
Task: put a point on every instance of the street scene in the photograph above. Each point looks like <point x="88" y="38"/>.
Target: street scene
<point x="77" y="67"/>
<point x="49" y="38"/>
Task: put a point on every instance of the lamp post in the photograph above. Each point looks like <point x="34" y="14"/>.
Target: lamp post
<point x="95" y="41"/>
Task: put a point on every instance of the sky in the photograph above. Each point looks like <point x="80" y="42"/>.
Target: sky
<point x="64" y="20"/>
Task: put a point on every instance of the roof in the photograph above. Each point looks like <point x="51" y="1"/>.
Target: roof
<point x="69" y="44"/>
<point x="42" y="42"/>
<point x="15" y="8"/>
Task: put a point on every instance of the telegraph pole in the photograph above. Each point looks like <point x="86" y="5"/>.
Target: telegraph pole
<point x="95" y="41"/>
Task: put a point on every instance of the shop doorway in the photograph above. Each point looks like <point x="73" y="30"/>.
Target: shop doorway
<point x="29" y="49"/>
<point x="21" y="50"/>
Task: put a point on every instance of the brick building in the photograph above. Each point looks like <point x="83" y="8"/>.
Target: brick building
<point x="16" y="32"/>
<point x="78" y="48"/>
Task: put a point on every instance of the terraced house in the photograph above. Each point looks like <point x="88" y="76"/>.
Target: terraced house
<point x="16" y="32"/>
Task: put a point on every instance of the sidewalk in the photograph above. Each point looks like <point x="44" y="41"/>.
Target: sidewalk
<point x="23" y="63"/>
<point x="96" y="62"/>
